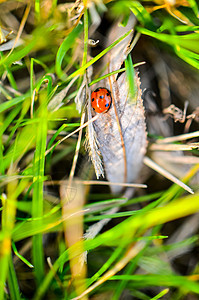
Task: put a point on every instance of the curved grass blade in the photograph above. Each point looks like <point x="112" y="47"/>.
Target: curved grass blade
<point x="65" y="46"/>
<point x="20" y="256"/>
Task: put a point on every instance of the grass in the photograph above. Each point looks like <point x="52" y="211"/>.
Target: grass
<point x="40" y="81"/>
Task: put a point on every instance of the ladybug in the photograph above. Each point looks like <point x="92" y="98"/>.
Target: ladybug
<point x="101" y="100"/>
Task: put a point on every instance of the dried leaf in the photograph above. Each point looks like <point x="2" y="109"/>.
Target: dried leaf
<point x="132" y="122"/>
<point x="120" y="134"/>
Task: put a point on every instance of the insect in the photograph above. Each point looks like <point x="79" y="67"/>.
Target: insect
<point x="101" y="100"/>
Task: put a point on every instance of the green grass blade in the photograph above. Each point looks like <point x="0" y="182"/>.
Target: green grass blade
<point x="63" y="126"/>
<point x="18" y="54"/>
<point x="31" y="76"/>
<point x="20" y="256"/>
<point x="115" y="255"/>
<point x="8" y="221"/>
<point x="37" y="201"/>
<point x="8" y="104"/>
<point x="185" y="28"/>
<point x="194" y="6"/>
<point x="85" y="37"/>
<point x="65" y="46"/>
<point x="23" y="142"/>
<point x="107" y="75"/>
<point x="189" y="41"/>
<point x="111" y="216"/>
<point x="11" y="78"/>
<point x="161" y="294"/>
<point x="141" y="14"/>
<point x="160" y="280"/>
<point x="123" y="8"/>
<point x="24" y="110"/>
<point x="37" y="9"/>
<point x="188" y="56"/>
<point x="10" y="117"/>
<point x="28" y="228"/>
<point x="12" y="282"/>
<point x="130" y="76"/>
<point x="186" y="46"/>
<point x="2" y="169"/>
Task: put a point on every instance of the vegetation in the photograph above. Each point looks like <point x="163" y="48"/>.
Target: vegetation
<point x="147" y="250"/>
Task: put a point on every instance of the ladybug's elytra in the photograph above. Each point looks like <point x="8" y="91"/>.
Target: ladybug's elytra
<point x="101" y="100"/>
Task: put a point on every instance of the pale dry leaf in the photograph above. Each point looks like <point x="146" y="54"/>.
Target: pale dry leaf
<point x="132" y="121"/>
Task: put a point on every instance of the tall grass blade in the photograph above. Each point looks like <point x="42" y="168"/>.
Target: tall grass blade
<point x="37" y="201"/>
<point x="13" y="282"/>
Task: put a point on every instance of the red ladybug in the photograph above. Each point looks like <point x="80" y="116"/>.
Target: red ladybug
<point x="101" y="100"/>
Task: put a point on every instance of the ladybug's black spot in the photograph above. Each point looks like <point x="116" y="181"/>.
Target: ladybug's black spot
<point x="107" y="105"/>
<point x="97" y="90"/>
<point x="93" y="108"/>
<point x="101" y="97"/>
<point x="93" y="99"/>
<point x="107" y="94"/>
